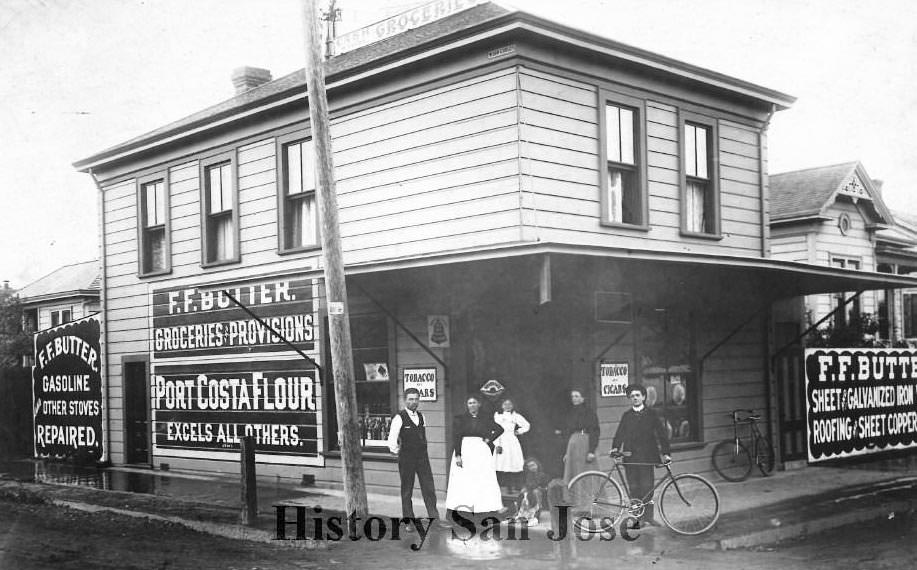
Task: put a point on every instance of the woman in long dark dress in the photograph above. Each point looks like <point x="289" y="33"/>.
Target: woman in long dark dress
<point x="473" y="483"/>
<point x="581" y="428"/>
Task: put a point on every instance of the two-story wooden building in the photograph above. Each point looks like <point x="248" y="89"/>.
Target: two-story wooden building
<point x="519" y="201"/>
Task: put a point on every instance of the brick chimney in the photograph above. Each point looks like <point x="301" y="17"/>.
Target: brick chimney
<point x="245" y="78"/>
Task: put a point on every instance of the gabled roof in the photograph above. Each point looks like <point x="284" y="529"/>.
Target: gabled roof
<point x="78" y="279"/>
<point x="485" y="17"/>
<point x="808" y="193"/>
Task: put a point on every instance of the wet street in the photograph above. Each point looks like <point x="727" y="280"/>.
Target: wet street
<point x="39" y="536"/>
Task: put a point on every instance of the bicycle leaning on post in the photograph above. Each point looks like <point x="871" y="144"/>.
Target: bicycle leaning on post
<point x="688" y="503"/>
<point x="733" y="459"/>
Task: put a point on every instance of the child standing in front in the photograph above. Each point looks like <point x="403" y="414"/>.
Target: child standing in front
<point x="508" y="449"/>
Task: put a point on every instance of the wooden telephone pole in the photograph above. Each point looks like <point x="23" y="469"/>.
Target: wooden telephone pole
<point x="335" y="286"/>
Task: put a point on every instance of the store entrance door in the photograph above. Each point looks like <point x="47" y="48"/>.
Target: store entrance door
<point x="137" y="413"/>
<point x="791" y="394"/>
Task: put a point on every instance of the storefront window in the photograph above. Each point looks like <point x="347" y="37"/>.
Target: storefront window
<point x="373" y="378"/>
<point x="668" y="370"/>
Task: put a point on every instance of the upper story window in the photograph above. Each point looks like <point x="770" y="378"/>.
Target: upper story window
<point x="153" y="222"/>
<point x="298" y="210"/>
<point x="700" y="188"/>
<point x="61" y="316"/>
<point x="220" y="211"/>
<point x="623" y="182"/>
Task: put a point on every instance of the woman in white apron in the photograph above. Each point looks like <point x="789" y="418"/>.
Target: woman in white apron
<point x="509" y="458"/>
<point x="472" y="479"/>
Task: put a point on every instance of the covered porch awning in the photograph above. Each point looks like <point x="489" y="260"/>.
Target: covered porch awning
<point x="773" y="279"/>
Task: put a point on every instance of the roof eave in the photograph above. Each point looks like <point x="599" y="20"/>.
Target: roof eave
<point x="485" y="30"/>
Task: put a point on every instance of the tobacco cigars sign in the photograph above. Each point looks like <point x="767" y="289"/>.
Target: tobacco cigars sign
<point x="211" y="406"/>
<point x="67" y="390"/>
<point x="195" y="321"/>
<point x="860" y="401"/>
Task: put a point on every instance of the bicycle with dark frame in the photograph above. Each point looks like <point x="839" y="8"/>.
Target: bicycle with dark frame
<point x="733" y="460"/>
<point x="688" y="503"/>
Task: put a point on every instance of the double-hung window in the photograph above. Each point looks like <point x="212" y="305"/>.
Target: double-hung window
<point x="852" y="310"/>
<point x="700" y="188"/>
<point x="623" y="183"/>
<point x="61" y="316"/>
<point x="296" y="196"/>
<point x="153" y="221"/>
<point x="220" y="211"/>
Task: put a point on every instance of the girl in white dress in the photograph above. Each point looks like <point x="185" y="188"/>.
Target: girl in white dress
<point x="509" y="457"/>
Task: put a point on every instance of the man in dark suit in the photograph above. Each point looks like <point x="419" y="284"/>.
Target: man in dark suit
<point x="641" y="434"/>
<point x="407" y="439"/>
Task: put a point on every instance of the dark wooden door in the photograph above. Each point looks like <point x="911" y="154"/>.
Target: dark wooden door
<point x="137" y="413"/>
<point x="791" y="394"/>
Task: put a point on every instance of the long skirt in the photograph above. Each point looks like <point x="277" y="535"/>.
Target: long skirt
<point x="473" y="486"/>
<point x="575" y="458"/>
<point x="510" y="460"/>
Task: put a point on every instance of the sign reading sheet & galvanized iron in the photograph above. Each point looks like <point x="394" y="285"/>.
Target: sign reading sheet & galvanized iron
<point x="221" y="372"/>
<point x="860" y="401"/>
<point x="67" y="391"/>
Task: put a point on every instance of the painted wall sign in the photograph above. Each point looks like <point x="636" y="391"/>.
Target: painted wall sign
<point x="395" y="25"/>
<point x="613" y="378"/>
<point x="424" y="380"/>
<point x="209" y="406"/>
<point x="67" y="390"/>
<point x="438" y="335"/>
<point x="196" y="321"/>
<point x="860" y="401"/>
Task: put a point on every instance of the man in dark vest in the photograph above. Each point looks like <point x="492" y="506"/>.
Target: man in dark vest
<point x="641" y="434"/>
<point x="407" y="439"/>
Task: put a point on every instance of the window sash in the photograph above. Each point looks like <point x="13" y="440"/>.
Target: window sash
<point x="219" y="188"/>
<point x="221" y="237"/>
<point x="154" y="200"/>
<point x="301" y="222"/>
<point x="300" y="177"/>
<point x="619" y="134"/>
<point x="696" y="206"/>
<point x="154" y="249"/>
<point x="697" y="157"/>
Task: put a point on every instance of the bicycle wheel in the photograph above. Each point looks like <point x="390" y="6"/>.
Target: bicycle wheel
<point x="596" y="501"/>
<point x="764" y="456"/>
<point x="689" y="504"/>
<point x="731" y="460"/>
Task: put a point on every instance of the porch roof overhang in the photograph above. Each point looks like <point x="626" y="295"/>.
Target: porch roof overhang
<point x="779" y="279"/>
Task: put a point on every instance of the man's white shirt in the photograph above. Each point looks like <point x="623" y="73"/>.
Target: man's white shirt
<point x="395" y="429"/>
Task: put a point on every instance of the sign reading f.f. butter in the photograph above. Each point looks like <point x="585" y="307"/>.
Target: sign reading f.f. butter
<point x="67" y="390"/>
<point x="403" y="22"/>
<point x="196" y="321"/>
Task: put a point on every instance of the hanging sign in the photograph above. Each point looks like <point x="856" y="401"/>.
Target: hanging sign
<point x="424" y="380"/>
<point x="613" y="378"/>
<point x="859" y="401"/>
<point x="438" y="331"/>
<point x="67" y="390"/>
<point x="195" y="321"/>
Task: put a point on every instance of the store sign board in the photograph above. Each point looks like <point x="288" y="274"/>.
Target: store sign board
<point x="67" y="401"/>
<point x="210" y="406"/>
<point x="423" y="380"/>
<point x="613" y="378"/>
<point x="195" y="321"/>
<point x="860" y="401"/>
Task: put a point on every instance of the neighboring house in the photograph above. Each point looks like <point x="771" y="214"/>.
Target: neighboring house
<point x="66" y="294"/>
<point x="828" y="216"/>
<point x="519" y="201"/>
<point x="896" y="251"/>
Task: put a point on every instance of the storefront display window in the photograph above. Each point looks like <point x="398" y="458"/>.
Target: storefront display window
<point x="668" y="370"/>
<point x="373" y="378"/>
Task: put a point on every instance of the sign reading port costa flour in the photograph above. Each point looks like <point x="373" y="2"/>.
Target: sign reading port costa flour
<point x="210" y="406"/>
<point x="67" y="390"/>
<point x="860" y="401"/>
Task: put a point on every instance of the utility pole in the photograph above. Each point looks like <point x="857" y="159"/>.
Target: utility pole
<point x="335" y="286"/>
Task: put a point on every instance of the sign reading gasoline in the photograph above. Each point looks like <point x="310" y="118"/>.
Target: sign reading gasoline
<point x="67" y="390"/>
<point x="424" y="380"/>
<point x="211" y="406"/>
<point x="613" y="378"/>
<point x="860" y="401"/>
<point x="198" y="321"/>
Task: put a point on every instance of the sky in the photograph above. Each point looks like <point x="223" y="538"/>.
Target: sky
<point x="78" y="76"/>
